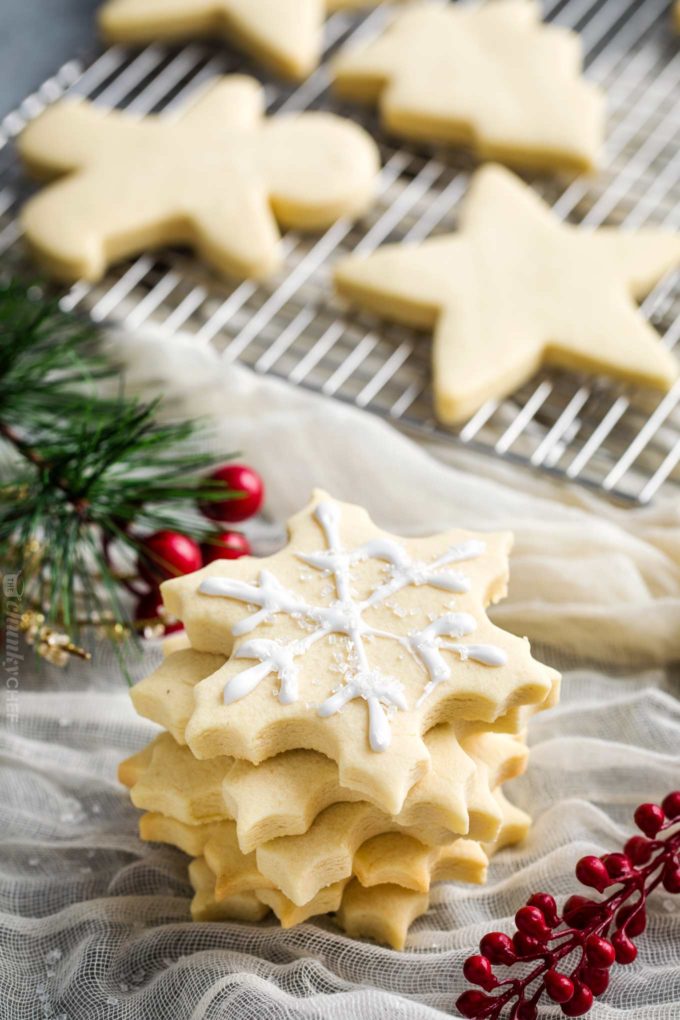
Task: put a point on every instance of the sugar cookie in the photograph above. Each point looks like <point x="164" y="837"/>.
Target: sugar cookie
<point x="283" y="796"/>
<point x="300" y="866"/>
<point x="515" y="288"/>
<point x="219" y="178"/>
<point x="285" y="35"/>
<point x="352" y="642"/>
<point x="382" y="912"/>
<point x="489" y="76"/>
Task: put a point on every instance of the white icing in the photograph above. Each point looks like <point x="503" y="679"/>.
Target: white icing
<point x="344" y="615"/>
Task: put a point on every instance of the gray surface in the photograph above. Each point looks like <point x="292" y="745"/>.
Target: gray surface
<point x="36" y="38"/>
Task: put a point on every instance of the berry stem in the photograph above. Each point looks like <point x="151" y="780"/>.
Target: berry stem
<point x="584" y="936"/>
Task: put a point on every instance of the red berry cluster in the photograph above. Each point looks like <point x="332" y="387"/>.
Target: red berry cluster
<point x="167" y="554"/>
<point x="574" y="952"/>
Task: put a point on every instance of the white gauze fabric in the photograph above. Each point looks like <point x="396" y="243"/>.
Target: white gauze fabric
<point x="95" y="924"/>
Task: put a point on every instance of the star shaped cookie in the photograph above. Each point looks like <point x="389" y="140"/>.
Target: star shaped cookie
<point x="515" y="288"/>
<point x="220" y="178"/>
<point x="489" y="76"/>
<point x="353" y="643"/>
<point x="285" y="35"/>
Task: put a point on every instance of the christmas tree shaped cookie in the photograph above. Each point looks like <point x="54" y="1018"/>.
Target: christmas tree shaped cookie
<point x="286" y="35"/>
<point x="515" y="288"/>
<point x="353" y="643"/>
<point x="490" y="76"/>
<point x="218" y="178"/>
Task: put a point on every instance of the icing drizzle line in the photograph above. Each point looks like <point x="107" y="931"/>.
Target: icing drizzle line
<point x="382" y="693"/>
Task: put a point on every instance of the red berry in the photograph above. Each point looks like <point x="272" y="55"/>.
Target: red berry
<point x="597" y="979"/>
<point x="633" y="918"/>
<point x="167" y="554"/>
<point x="671" y="805"/>
<point x="638" y="849"/>
<point x="527" y="945"/>
<point x="226" y="545"/>
<point x="527" y="1011"/>
<point x="154" y="617"/>
<point x="591" y="872"/>
<point x="498" y="948"/>
<point x="618" y="866"/>
<point x="600" y="952"/>
<point x="559" y="987"/>
<point x="671" y="878"/>
<point x="531" y="921"/>
<point x="580" y="1002"/>
<point x="624" y="948"/>
<point x="472" y="1003"/>
<point x="247" y="493"/>
<point x="649" y="818"/>
<point x="477" y="971"/>
<point x="579" y="911"/>
<point x="546" y="904"/>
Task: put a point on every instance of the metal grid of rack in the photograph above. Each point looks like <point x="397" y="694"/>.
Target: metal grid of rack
<point x="622" y="440"/>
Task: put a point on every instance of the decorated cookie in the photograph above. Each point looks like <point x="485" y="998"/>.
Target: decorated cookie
<point x="353" y="643"/>
<point x="218" y="178"/>
<point x="515" y="288"/>
<point x="286" y="35"/>
<point x="488" y="76"/>
<point x="166" y="697"/>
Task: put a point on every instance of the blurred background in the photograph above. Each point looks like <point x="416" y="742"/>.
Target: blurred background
<point x="36" y="38"/>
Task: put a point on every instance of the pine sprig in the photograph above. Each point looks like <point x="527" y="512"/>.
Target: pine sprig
<point x="85" y="473"/>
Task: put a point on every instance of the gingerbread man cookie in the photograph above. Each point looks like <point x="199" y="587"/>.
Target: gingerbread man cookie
<point x="515" y="288"/>
<point x="488" y="76"/>
<point x="220" y="178"/>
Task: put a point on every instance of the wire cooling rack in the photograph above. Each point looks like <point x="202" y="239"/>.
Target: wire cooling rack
<point x="622" y="440"/>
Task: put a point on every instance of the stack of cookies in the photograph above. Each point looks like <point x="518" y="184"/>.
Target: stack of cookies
<point x="339" y="728"/>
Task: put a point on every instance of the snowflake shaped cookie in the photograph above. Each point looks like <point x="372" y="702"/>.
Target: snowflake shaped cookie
<point x="394" y="874"/>
<point x="303" y="866"/>
<point x="352" y="642"/>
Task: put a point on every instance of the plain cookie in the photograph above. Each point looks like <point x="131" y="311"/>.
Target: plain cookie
<point x="285" y="35"/>
<point x="220" y="178"/>
<point x="490" y="77"/>
<point x="516" y="288"/>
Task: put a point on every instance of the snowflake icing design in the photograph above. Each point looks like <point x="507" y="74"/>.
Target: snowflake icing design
<point x="345" y="615"/>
